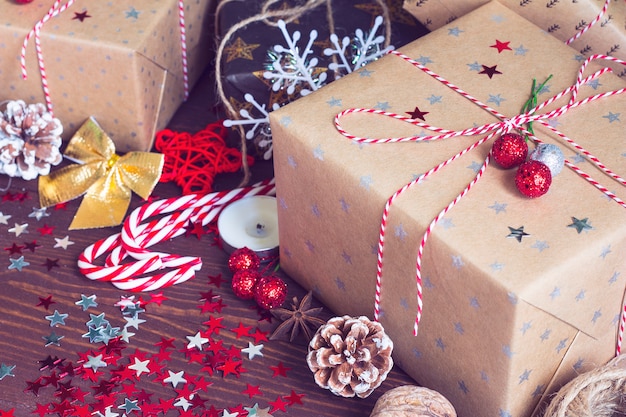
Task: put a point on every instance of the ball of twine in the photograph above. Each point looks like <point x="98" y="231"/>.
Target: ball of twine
<point x="598" y="393"/>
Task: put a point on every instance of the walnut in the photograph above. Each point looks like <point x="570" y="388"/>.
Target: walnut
<point x="412" y="401"/>
<point x="30" y="138"/>
<point x="350" y="356"/>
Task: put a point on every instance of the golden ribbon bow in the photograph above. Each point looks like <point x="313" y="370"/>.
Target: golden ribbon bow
<point x="106" y="179"/>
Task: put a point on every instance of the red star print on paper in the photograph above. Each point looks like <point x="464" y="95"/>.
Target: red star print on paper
<point x="81" y="16"/>
<point x="501" y="46"/>
<point x="490" y="71"/>
<point x="417" y="114"/>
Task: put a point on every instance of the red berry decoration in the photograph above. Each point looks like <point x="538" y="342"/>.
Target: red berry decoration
<point x="270" y="292"/>
<point x="533" y="178"/>
<point x="243" y="258"/>
<point x="509" y="150"/>
<point x="244" y="283"/>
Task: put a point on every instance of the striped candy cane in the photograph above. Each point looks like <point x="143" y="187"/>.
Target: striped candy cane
<point x="148" y="271"/>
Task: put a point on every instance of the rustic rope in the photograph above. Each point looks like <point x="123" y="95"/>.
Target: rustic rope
<point x="598" y="393"/>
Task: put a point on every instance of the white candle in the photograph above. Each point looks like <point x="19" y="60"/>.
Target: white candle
<point x="251" y="222"/>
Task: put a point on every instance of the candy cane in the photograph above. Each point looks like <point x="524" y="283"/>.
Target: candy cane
<point x="136" y="237"/>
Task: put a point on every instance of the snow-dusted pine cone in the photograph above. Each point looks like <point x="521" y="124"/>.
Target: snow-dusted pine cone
<point x="30" y="138"/>
<point x="350" y="356"/>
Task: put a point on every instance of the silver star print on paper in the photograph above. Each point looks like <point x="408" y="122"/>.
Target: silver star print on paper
<point x="518" y="233"/>
<point x="580" y="224"/>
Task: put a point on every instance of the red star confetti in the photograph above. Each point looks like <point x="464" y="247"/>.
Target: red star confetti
<point x="490" y="71"/>
<point x="45" y="301"/>
<point x="280" y="370"/>
<point x="501" y="46"/>
<point x="252" y="390"/>
<point x="216" y="280"/>
<point x="46" y="230"/>
<point x="278" y="405"/>
<point x="31" y="246"/>
<point x="294" y="398"/>
<point x="241" y="330"/>
<point x="13" y="249"/>
<point x="51" y="263"/>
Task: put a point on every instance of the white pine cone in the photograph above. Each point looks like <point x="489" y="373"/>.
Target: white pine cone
<point x="30" y="138"/>
<point x="350" y="356"/>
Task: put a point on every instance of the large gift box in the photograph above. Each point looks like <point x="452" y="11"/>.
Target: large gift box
<point x="248" y="38"/>
<point x="519" y="295"/>
<point x="119" y="62"/>
<point x="562" y="19"/>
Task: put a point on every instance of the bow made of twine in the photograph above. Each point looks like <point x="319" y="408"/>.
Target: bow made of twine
<point x="105" y="178"/>
<point x="504" y="125"/>
<point x="56" y="9"/>
<point x="270" y="16"/>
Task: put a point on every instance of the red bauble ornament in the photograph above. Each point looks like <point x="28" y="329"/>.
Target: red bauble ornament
<point x="23" y="1"/>
<point x="243" y="258"/>
<point x="270" y="292"/>
<point x="533" y="178"/>
<point x="244" y="282"/>
<point x="509" y="150"/>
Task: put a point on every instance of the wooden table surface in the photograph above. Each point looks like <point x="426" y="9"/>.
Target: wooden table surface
<point x="48" y="366"/>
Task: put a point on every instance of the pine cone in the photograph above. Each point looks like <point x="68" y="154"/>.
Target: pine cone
<point x="350" y="356"/>
<point x="30" y="138"/>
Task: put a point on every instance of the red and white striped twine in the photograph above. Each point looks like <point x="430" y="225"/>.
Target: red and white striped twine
<point x="493" y="129"/>
<point x="183" y="45"/>
<point x="150" y="270"/>
<point x="590" y="25"/>
<point x="57" y="9"/>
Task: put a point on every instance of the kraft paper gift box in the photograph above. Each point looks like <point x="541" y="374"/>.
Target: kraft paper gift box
<point x="519" y="295"/>
<point x="119" y="62"/>
<point x="562" y="19"/>
<point x="246" y="53"/>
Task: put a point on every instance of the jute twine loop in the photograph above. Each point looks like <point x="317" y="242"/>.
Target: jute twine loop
<point x="270" y="17"/>
<point x="597" y="393"/>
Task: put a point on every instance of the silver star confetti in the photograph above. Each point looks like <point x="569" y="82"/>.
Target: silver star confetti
<point x="18" y="263"/>
<point x="19" y="229"/>
<point x="86" y="302"/>
<point x="4" y="218"/>
<point x="63" y="243"/>
<point x="518" y="233"/>
<point x="57" y="318"/>
<point x="39" y="213"/>
<point x="253" y="350"/>
<point x="6" y="370"/>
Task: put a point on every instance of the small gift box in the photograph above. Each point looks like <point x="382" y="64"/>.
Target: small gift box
<point x="249" y="35"/>
<point x="562" y="19"/>
<point x="121" y="63"/>
<point x="515" y="296"/>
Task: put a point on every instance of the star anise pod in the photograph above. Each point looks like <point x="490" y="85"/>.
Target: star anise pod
<point x="301" y="318"/>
